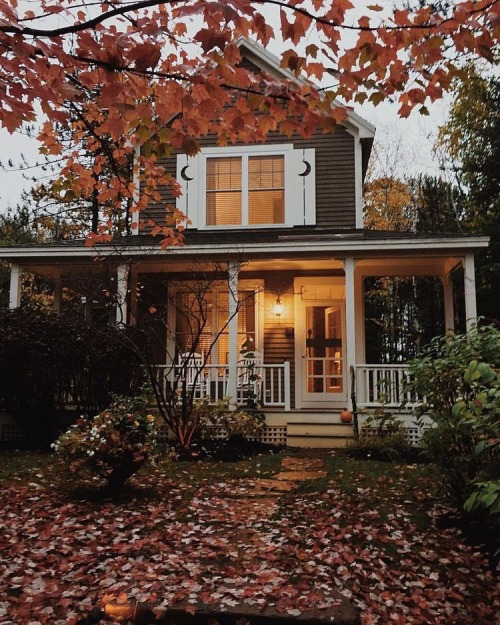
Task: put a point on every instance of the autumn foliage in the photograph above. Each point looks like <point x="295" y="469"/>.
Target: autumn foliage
<point x="159" y="75"/>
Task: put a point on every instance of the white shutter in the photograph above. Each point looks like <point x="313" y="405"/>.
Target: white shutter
<point x="300" y="189"/>
<point x="188" y="176"/>
<point x="309" y="181"/>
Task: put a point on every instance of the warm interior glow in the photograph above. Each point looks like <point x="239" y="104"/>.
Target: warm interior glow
<point x="278" y="307"/>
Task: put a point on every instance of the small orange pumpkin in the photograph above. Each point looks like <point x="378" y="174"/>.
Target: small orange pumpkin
<point x="346" y="416"/>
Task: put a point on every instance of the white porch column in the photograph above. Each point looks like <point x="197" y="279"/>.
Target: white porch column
<point x="350" y="322"/>
<point x="15" y="286"/>
<point x="232" y="381"/>
<point x="449" y="314"/>
<point x="470" y="291"/>
<point x="121" y="293"/>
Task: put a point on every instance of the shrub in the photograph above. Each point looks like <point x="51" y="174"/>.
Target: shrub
<point x="49" y="359"/>
<point x="245" y="423"/>
<point x="459" y="377"/>
<point x="383" y="438"/>
<point x="111" y="446"/>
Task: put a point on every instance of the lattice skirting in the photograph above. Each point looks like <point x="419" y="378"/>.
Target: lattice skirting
<point x="413" y="433"/>
<point x="271" y="435"/>
<point x="11" y="433"/>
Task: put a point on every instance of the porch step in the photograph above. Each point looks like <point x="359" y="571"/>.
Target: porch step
<point x="319" y="434"/>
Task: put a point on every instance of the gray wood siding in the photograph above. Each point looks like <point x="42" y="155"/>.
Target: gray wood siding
<point x="335" y="179"/>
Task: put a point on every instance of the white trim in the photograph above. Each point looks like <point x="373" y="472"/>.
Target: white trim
<point x="358" y="180"/>
<point x="470" y="291"/>
<point x="350" y="323"/>
<point x="122" y="273"/>
<point x="340" y="244"/>
<point x="255" y="150"/>
<point x="232" y="380"/>
<point x="15" y="286"/>
<point x="293" y="208"/>
<point x="305" y="400"/>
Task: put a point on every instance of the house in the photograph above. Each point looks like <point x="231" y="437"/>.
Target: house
<point x="276" y="247"/>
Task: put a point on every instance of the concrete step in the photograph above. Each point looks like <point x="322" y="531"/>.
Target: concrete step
<point x="319" y="434"/>
<point x="317" y="442"/>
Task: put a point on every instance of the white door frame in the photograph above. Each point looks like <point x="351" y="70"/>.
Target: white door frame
<point x="330" y="291"/>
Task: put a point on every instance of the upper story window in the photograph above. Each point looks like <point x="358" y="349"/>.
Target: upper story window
<point x="248" y="186"/>
<point x="245" y="190"/>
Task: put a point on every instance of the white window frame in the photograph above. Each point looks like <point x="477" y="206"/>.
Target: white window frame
<point x="271" y="150"/>
<point x="300" y="190"/>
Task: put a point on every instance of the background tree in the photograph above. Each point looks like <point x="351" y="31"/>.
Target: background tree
<point x="115" y="74"/>
<point x="405" y="313"/>
<point x="16" y="228"/>
<point x="470" y="139"/>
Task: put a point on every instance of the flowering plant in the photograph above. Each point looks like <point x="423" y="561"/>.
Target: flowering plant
<point x="113" y="445"/>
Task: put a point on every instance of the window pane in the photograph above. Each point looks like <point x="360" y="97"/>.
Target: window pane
<point x="193" y="321"/>
<point x="266" y="207"/>
<point x="266" y="172"/>
<point x="266" y="183"/>
<point x="224" y="191"/>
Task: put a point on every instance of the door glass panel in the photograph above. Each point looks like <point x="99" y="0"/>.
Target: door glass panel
<point x="324" y="368"/>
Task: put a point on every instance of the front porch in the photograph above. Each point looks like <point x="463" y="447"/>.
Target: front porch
<point x="297" y="303"/>
<point x="372" y="387"/>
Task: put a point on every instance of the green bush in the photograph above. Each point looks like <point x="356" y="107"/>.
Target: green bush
<point x="112" y="446"/>
<point x="383" y="438"/>
<point x="391" y="447"/>
<point x="459" y="377"/>
<point x="48" y="360"/>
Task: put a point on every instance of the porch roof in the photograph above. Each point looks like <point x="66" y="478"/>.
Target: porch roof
<point x="310" y="241"/>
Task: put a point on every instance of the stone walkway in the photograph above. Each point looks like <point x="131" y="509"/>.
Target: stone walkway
<point x="256" y="499"/>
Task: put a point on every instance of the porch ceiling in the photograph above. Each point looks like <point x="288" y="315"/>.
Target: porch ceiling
<point x="407" y="266"/>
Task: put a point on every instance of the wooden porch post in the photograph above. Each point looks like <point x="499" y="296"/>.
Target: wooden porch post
<point x="15" y="286"/>
<point x="470" y="291"/>
<point x="121" y="293"/>
<point x="449" y="314"/>
<point x="232" y="380"/>
<point x="350" y="320"/>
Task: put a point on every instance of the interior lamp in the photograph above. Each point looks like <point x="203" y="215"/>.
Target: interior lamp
<point x="278" y="307"/>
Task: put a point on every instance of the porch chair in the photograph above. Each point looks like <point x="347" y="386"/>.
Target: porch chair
<point x="249" y="376"/>
<point x="190" y="366"/>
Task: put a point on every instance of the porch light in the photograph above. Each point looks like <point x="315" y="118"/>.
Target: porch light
<point x="278" y="307"/>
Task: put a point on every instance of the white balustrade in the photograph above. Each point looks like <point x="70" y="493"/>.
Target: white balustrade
<point x="269" y="382"/>
<point x="378" y="385"/>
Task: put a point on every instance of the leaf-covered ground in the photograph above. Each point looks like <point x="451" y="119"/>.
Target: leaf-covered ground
<point x="183" y="533"/>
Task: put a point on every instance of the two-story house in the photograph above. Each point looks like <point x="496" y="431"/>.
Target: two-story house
<point x="276" y="236"/>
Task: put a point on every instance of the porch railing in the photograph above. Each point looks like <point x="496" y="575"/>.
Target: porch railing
<point x="384" y="385"/>
<point x="270" y="383"/>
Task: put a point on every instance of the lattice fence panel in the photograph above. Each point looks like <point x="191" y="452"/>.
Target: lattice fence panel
<point x="10" y="433"/>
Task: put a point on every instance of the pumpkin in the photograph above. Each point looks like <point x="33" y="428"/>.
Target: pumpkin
<point x="346" y="416"/>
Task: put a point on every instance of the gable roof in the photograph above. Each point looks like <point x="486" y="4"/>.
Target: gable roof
<point x="269" y="63"/>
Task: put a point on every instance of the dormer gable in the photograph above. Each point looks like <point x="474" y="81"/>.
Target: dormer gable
<point x="282" y="183"/>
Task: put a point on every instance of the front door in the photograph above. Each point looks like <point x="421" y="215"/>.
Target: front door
<point x="320" y="354"/>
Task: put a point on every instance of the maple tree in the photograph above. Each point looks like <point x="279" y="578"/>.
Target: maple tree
<point x="114" y="74"/>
